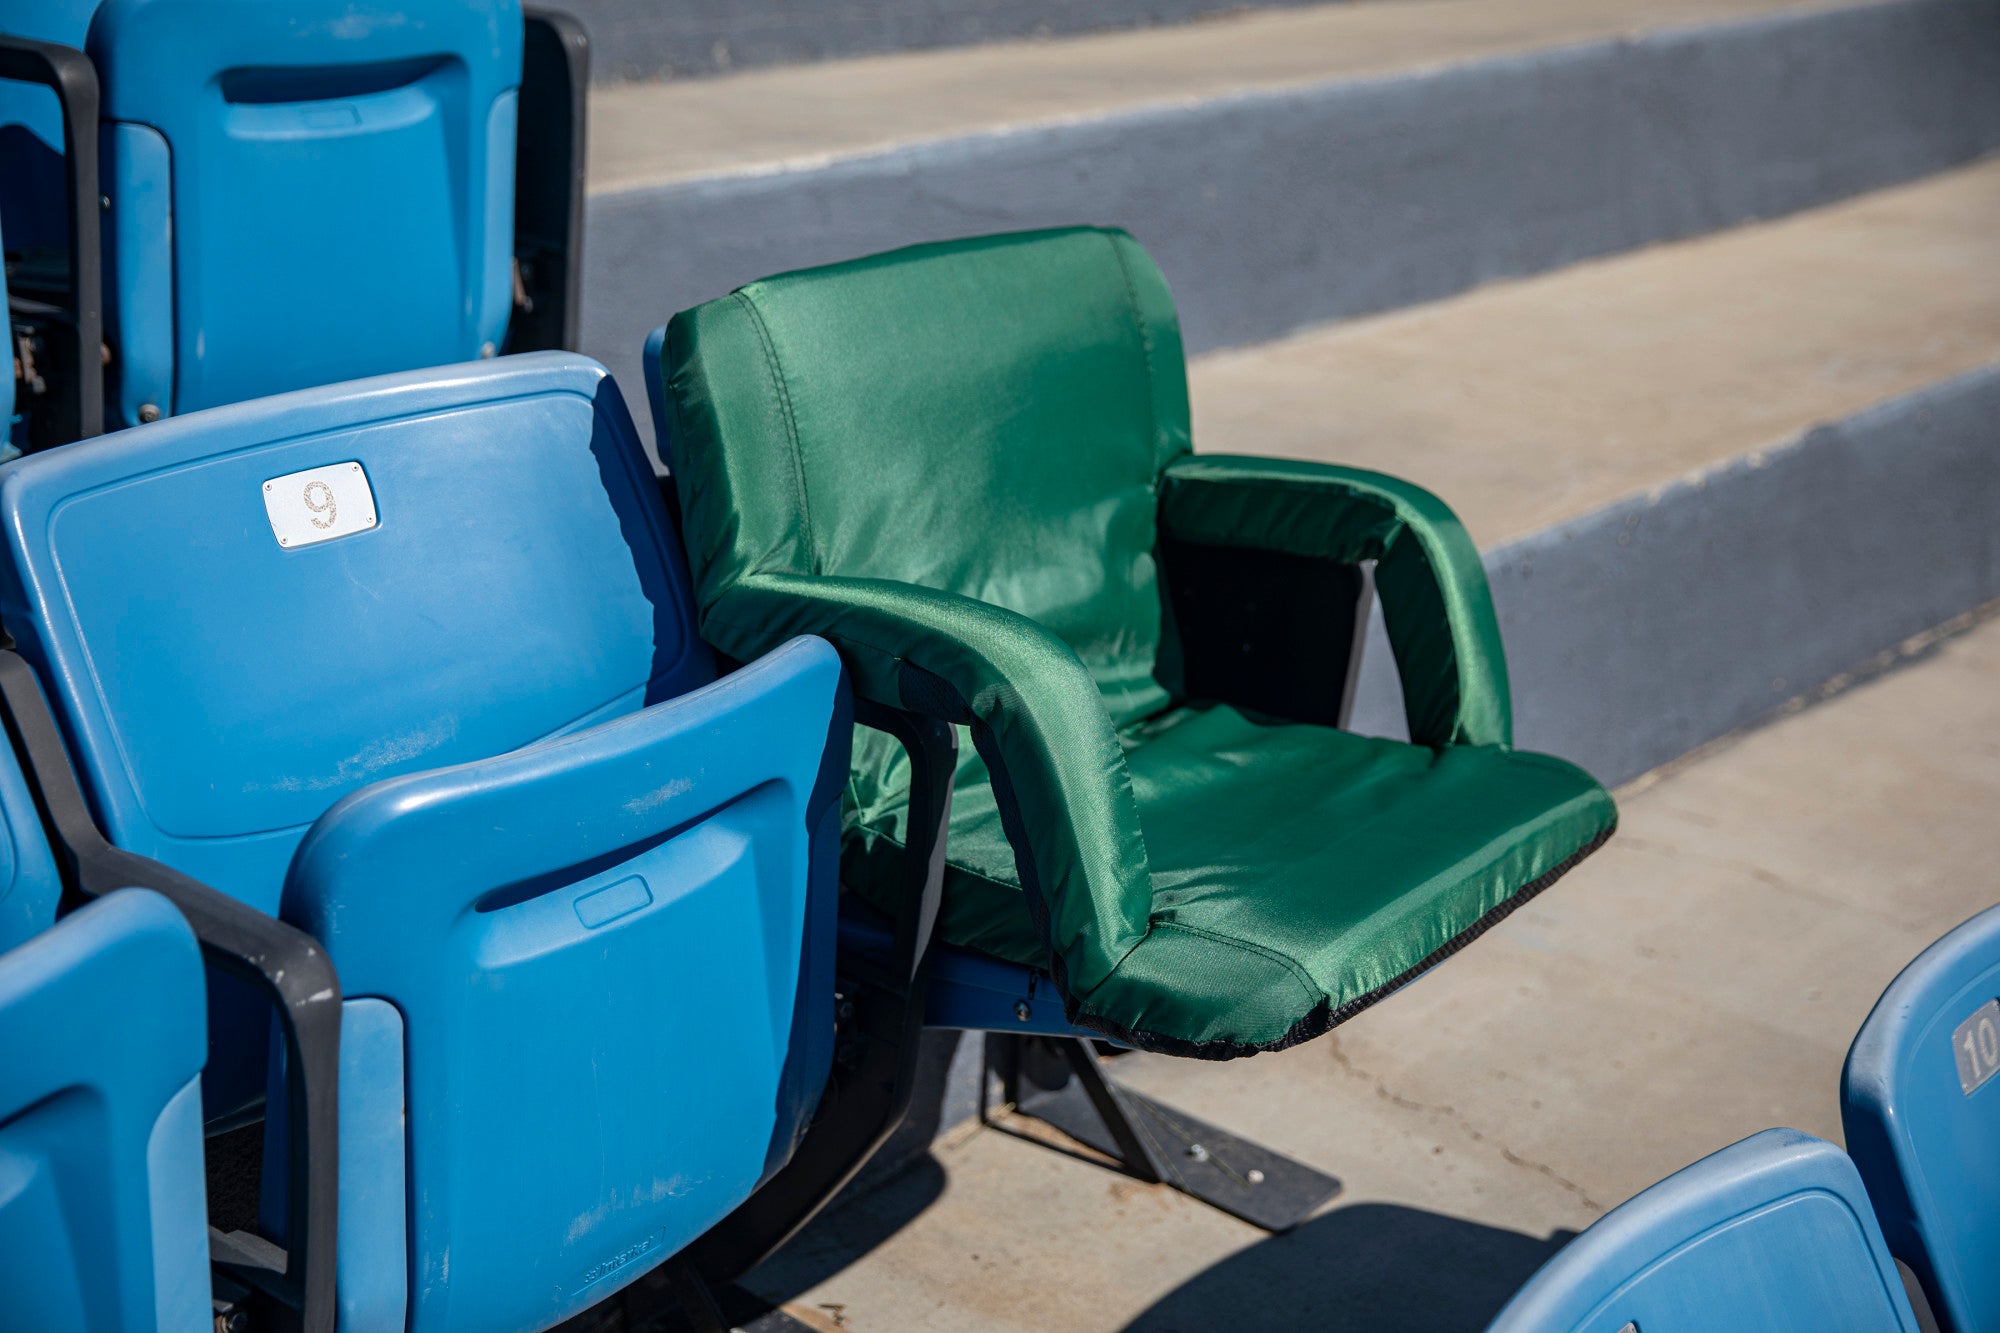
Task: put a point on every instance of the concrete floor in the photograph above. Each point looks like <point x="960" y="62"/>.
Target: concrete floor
<point x="767" y="120"/>
<point x="1532" y="402"/>
<point x="1696" y="981"/>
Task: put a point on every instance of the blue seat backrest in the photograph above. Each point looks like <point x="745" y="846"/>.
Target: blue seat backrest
<point x="1771" y="1235"/>
<point x="335" y="181"/>
<point x="103" y="1222"/>
<point x="221" y="690"/>
<point x="1920" y="1100"/>
<point x="31" y="135"/>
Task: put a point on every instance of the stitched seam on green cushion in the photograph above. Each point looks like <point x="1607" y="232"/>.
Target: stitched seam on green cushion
<point x="1314" y="993"/>
<point x="791" y="425"/>
<point x="1146" y="349"/>
<point x="959" y="866"/>
<point x="1289" y="484"/>
<point x="1550" y="762"/>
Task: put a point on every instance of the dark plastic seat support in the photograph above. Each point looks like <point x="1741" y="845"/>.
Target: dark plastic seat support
<point x="548" y="184"/>
<point x="76" y="329"/>
<point x="1051" y="1071"/>
<point x="1061" y="1081"/>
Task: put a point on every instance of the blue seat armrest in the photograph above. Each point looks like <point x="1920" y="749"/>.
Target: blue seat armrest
<point x="103" y="1221"/>
<point x="605" y="891"/>
<point x="285" y="963"/>
<point x="483" y="829"/>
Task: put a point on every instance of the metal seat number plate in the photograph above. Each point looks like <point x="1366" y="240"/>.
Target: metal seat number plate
<point x="1975" y="1044"/>
<point x="319" y="504"/>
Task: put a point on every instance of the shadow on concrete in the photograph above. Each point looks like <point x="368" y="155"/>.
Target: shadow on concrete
<point x="829" y="1243"/>
<point x="1368" y="1268"/>
<point x="847" y="1231"/>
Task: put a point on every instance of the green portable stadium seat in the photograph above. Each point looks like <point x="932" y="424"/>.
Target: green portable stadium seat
<point x="968" y="466"/>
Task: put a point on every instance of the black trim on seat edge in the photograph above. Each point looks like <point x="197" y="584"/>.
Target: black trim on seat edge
<point x="286" y="963"/>
<point x="68" y="73"/>
<point x="550" y="147"/>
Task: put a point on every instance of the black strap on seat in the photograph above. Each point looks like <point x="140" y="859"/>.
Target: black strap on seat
<point x="287" y="964"/>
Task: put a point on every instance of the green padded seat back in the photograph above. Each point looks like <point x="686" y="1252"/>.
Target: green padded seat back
<point x="985" y="417"/>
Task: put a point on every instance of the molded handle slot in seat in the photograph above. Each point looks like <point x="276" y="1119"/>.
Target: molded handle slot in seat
<point x="337" y="101"/>
<point x="271" y="85"/>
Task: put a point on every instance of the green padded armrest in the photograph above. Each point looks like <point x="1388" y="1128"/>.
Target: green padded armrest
<point x="1035" y="715"/>
<point x="1433" y="587"/>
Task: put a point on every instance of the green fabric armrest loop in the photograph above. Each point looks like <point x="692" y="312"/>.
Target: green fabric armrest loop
<point x="1025" y="694"/>
<point x="1433" y="586"/>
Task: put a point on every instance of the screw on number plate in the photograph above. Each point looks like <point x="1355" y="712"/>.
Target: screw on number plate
<point x="1197" y="1153"/>
<point x="1254" y="1176"/>
<point x="1021" y="1010"/>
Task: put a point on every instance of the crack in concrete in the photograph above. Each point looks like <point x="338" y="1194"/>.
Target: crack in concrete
<point x="1471" y="1131"/>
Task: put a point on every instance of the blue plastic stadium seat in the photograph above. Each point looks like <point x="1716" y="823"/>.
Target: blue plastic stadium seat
<point x="1920" y="1102"/>
<point x="103" y="1223"/>
<point x="410" y="662"/>
<point x="281" y="177"/>
<point x="1770" y="1235"/>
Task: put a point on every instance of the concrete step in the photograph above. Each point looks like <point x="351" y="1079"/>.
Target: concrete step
<point x="1294" y="166"/>
<point x="644" y="39"/>
<point x="1696" y="981"/>
<point x="1709" y="476"/>
<point x="1533" y="403"/>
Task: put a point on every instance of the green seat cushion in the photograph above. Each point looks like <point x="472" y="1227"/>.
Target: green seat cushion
<point x="1299" y="873"/>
